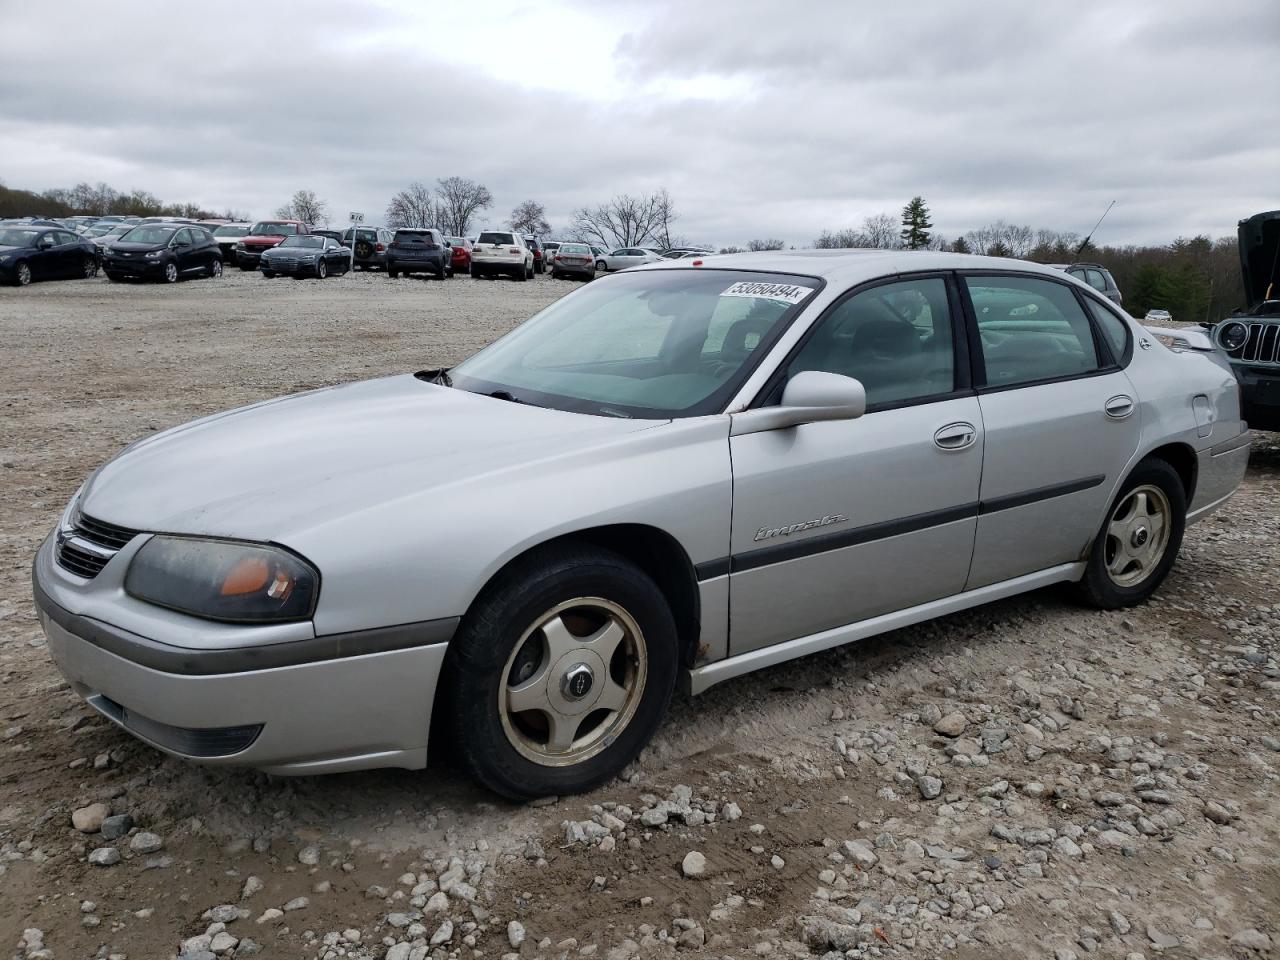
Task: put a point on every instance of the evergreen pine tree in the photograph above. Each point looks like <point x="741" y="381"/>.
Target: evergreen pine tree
<point x="916" y="224"/>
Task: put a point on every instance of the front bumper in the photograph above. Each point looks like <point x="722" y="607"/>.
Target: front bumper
<point x="140" y="267"/>
<point x="202" y="692"/>
<point x="1259" y="395"/>
<point x="250" y="258"/>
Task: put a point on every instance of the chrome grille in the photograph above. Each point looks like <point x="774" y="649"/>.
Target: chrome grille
<point x="87" y="545"/>
<point x="1263" y="345"/>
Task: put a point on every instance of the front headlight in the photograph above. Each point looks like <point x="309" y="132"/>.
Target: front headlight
<point x="223" y="580"/>
<point x="239" y="245"/>
<point x="1233" y="335"/>
<point x="5" y="257"/>
<point x="154" y="254"/>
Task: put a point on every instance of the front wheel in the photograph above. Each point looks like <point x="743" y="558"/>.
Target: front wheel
<point x="215" y="268"/>
<point x="22" y="275"/>
<point x="1139" y="539"/>
<point x="90" y="268"/>
<point x="322" y="269"/>
<point x="171" y="272"/>
<point x="560" y="673"/>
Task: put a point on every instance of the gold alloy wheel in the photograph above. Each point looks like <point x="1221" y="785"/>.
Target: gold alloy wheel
<point x="573" y="682"/>
<point x="1137" y="535"/>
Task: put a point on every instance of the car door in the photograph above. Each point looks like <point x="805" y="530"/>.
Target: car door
<point x="45" y="261"/>
<point x="840" y="521"/>
<point x="1061" y="423"/>
<point x="69" y="254"/>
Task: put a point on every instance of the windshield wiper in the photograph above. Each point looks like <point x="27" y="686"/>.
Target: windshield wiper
<point x="504" y="395"/>
<point x="440" y="376"/>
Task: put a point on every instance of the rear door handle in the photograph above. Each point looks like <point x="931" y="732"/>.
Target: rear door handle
<point x="955" y="436"/>
<point x="1119" y="407"/>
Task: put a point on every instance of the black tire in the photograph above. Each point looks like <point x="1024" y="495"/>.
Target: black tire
<point x="393" y="274"/>
<point x="269" y="274"/>
<point x="1098" y="587"/>
<point x="601" y="265"/>
<point x="322" y="269"/>
<point x="555" y="274"/>
<point x="215" y="269"/>
<point x="171" y="273"/>
<point x="476" y="667"/>
<point x="440" y="271"/>
<point x="114" y="277"/>
<point x="246" y="267"/>
<point x="522" y="274"/>
<point x="90" y="268"/>
<point x="475" y="272"/>
<point x="21" y="275"/>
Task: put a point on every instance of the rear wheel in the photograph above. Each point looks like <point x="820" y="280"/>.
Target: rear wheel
<point x="246" y="267"/>
<point x="560" y="672"/>
<point x="114" y="277"/>
<point x="269" y="274"/>
<point x="215" y="268"/>
<point x="392" y="274"/>
<point x="1139" y="539"/>
<point x="440" y="271"/>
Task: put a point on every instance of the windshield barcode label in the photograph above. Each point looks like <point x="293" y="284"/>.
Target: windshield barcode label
<point x="786" y="292"/>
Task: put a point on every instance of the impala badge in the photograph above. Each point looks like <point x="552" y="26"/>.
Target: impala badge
<point x="767" y="533"/>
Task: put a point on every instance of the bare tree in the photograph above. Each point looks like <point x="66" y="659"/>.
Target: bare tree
<point x="307" y="207"/>
<point x="772" y="243"/>
<point x="1002" y="239"/>
<point x="627" y="221"/>
<point x="881" y="232"/>
<point x="458" y="201"/>
<point x="529" y="217"/>
<point x="412" y="207"/>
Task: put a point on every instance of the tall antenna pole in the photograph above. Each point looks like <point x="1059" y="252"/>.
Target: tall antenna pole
<point x="1085" y="242"/>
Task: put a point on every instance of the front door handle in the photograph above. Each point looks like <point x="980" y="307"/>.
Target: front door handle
<point x="955" y="436"/>
<point x="1119" y="407"/>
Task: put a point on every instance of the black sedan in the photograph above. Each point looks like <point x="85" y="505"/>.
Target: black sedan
<point x="306" y="255"/>
<point x="162" y="251"/>
<point x="30" y="253"/>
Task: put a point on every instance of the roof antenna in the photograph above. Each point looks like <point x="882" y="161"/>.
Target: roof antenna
<point x="1085" y="242"/>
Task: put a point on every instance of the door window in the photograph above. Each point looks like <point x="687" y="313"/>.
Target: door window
<point x="1115" y="330"/>
<point x="895" y="338"/>
<point x="1031" y="330"/>
<point x="181" y="237"/>
<point x="1096" y="280"/>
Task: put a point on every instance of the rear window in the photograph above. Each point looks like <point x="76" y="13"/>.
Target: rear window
<point x="580" y="249"/>
<point x="411" y="238"/>
<point x="497" y="238"/>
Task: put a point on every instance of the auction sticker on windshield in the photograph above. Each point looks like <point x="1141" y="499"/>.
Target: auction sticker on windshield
<point x="785" y="292"/>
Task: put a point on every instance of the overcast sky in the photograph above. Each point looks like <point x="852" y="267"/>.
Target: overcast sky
<point x="761" y="119"/>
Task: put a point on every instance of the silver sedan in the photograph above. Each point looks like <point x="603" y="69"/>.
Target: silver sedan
<point x="677" y="474"/>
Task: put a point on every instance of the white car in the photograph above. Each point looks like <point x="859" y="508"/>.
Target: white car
<point x="625" y="257"/>
<point x="1158" y="316"/>
<point x="501" y="252"/>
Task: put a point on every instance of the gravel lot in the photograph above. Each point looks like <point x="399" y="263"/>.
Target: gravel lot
<point x="1027" y="779"/>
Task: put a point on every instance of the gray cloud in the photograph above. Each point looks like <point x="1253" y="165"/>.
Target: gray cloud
<point x="760" y="120"/>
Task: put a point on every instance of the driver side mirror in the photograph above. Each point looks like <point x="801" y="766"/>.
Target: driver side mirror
<point x="809" y="396"/>
<point x="45" y="243"/>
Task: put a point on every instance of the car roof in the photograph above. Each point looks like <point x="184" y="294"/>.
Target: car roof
<point x="849" y="267"/>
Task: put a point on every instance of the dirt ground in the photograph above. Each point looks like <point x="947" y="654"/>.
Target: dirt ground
<point x="1027" y="779"/>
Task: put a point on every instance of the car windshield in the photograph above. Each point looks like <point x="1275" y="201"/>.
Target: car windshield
<point x="496" y="238"/>
<point x="271" y="228"/>
<point x="314" y="242"/>
<point x="18" y="238"/>
<point x="672" y="343"/>
<point x="231" y="232"/>
<point x="152" y="233"/>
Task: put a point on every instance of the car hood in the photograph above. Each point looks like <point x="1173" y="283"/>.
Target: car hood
<point x="284" y="466"/>
<point x="119" y="246"/>
<point x="1260" y="256"/>
<point x="263" y="238"/>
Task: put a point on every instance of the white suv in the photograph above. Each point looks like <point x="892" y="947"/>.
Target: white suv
<point x="498" y="252"/>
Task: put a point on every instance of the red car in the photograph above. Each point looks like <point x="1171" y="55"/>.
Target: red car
<point x="461" y="254"/>
<point x="264" y="235"/>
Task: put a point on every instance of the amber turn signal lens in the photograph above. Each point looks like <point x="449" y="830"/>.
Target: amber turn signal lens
<point x="250" y="575"/>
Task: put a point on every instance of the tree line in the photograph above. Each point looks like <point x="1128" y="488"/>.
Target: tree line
<point x="1194" y="278"/>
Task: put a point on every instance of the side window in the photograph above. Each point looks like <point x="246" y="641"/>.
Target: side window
<point x="1114" y="330"/>
<point x="1096" y="280"/>
<point x="181" y="237"/>
<point x="61" y="238"/>
<point x="895" y="338"/>
<point x="1031" y="330"/>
